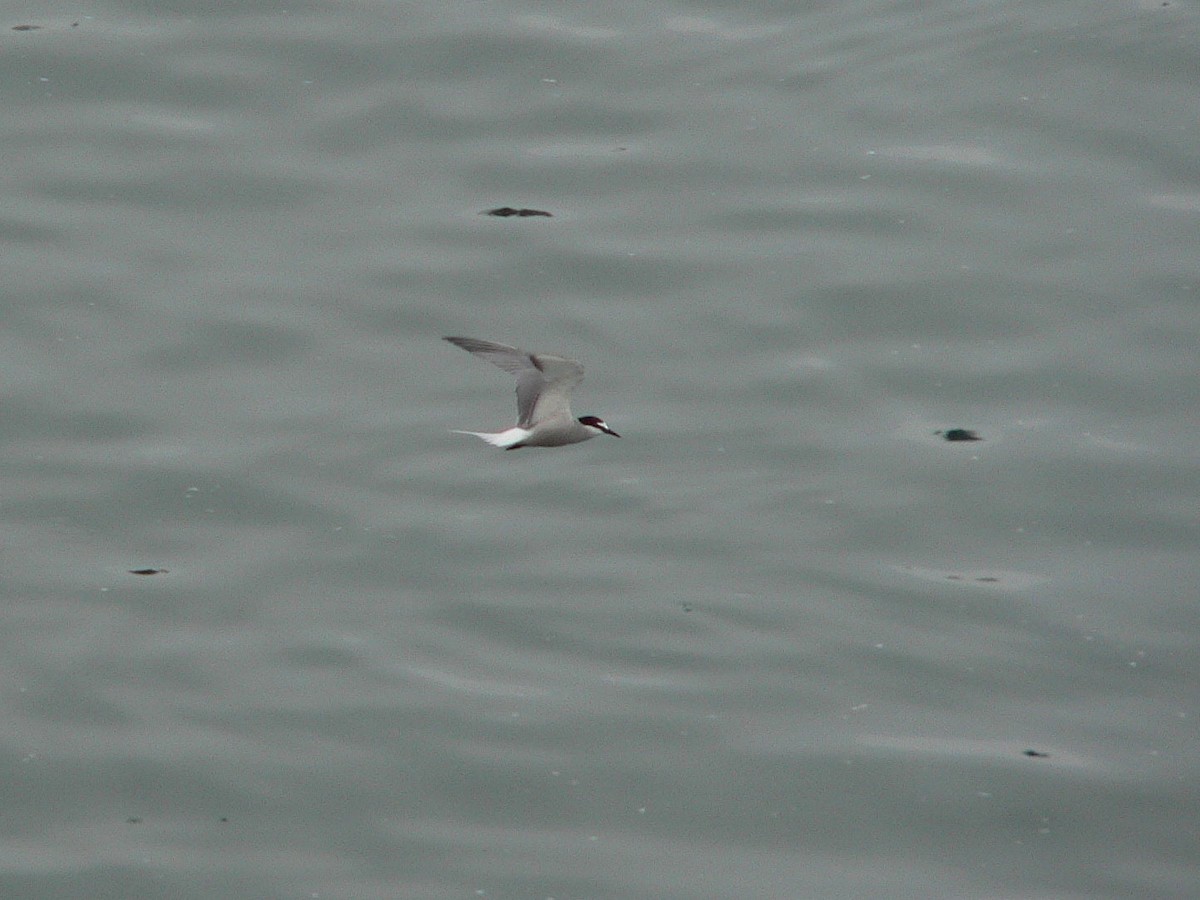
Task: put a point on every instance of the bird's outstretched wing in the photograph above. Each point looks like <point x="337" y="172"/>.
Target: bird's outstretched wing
<point x="544" y="382"/>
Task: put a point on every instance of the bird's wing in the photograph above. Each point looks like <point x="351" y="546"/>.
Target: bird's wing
<point x="510" y="359"/>
<point x="553" y="397"/>
<point x="544" y="382"/>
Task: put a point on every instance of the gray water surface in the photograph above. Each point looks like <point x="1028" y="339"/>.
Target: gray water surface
<point x="781" y="640"/>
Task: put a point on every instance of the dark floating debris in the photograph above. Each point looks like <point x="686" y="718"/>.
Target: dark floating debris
<point x="27" y="27"/>
<point x="959" y="434"/>
<point x="505" y="212"/>
<point x="148" y="571"/>
<point x="1035" y="754"/>
<point x="134" y="820"/>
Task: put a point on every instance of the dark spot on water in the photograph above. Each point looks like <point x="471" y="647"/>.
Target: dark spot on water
<point x="959" y="434"/>
<point x="224" y="819"/>
<point x="26" y="27"/>
<point x="134" y="820"/>
<point x="686" y="607"/>
<point x="988" y="579"/>
<point x="1035" y="754"/>
<point x="148" y="571"/>
<point x="505" y="212"/>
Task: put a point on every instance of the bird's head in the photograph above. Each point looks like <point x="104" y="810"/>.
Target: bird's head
<point x="598" y="424"/>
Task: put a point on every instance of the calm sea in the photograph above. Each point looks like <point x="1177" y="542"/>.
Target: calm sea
<point x="783" y="639"/>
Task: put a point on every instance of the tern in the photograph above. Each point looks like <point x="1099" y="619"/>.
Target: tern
<point x="544" y="385"/>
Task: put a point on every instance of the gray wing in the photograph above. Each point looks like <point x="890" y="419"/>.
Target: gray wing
<point x="553" y="397"/>
<point x="510" y="359"/>
<point x="544" y="382"/>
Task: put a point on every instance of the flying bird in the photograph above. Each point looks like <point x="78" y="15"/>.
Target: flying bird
<point x="544" y="385"/>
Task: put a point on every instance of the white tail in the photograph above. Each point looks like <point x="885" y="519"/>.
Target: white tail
<point x="503" y="439"/>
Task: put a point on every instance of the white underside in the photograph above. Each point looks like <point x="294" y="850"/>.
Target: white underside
<point x="504" y="439"/>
